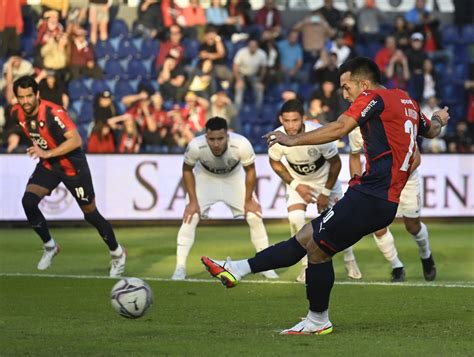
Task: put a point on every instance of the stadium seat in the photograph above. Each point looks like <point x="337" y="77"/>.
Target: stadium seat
<point x="123" y="88"/>
<point x="113" y="69"/>
<point x="191" y="49"/>
<point x="86" y="115"/>
<point x="450" y="34"/>
<point x="468" y="34"/>
<point x="138" y="43"/>
<point x="268" y="113"/>
<point x="99" y="86"/>
<point x="305" y="90"/>
<point x="27" y="45"/>
<point x="126" y="49"/>
<point x="104" y="49"/>
<point x="460" y="71"/>
<point x="248" y="113"/>
<point x="136" y="69"/>
<point x="118" y="28"/>
<point x="77" y="89"/>
<point x="150" y="48"/>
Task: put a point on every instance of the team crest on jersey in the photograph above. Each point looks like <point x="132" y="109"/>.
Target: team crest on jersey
<point x="312" y="152"/>
<point x="33" y="125"/>
<point x="231" y="162"/>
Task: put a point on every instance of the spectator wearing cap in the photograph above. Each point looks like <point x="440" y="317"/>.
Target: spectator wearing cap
<point x="98" y="20"/>
<point x="171" y="79"/>
<point x="53" y="89"/>
<point x="416" y="57"/>
<point x="249" y="71"/>
<point x="11" y="27"/>
<point x="269" y="18"/>
<point x="291" y="56"/>
<point x="171" y="46"/>
<point x="82" y="60"/>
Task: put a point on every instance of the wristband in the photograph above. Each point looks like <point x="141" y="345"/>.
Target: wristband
<point x="294" y="184"/>
<point x="326" y="191"/>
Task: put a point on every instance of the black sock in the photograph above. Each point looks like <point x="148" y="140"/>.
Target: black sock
<point x="36" y="219"/>
<point x="319" y="282"/>
<point x="103" y="227"/>
<point x="283" y="254"/>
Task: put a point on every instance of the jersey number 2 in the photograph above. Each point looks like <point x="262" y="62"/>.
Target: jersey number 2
<point x="412" y="130"/>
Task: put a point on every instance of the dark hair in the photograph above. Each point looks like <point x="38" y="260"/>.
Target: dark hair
<point x="25" y="82"/>
<point x="362" y="67"/>
<point x="292" y="105"/>
<point x="216" y="123"/>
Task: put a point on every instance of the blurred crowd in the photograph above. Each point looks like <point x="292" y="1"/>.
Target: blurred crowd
<point x="151" y="87"/>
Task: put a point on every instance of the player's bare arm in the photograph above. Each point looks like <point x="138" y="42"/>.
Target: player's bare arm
<point x="73" y="141"/>
<point x="439" y="119"/>
<point x="303" y="190"/>
<point x="334" y="170"/>
<point x="189" y="183"/>
<point x="333" y="131"/>
<point x="251" y="205"/>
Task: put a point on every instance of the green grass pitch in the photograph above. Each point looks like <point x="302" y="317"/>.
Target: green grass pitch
<point x="65" y="311"/>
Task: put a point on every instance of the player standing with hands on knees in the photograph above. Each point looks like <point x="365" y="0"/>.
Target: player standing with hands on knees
<point x="390" y="122"/>
<point x="310" y="173"/>
<point x="57" y="144"/>
<point x="219" y="167"/>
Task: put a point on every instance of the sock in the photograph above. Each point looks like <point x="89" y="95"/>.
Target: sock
<point x="185" y="240"/>
<point x="319" y="282"/>
<point x="258" y="234"/>
<point x="241" y="267"/>
<point x="117" y="252"/>
<point x="348" y="254"/>
<point x="283" y="254"/>
<point x="297" y="220"/>
<point x="319" y="318"/>
<point x="50" y="244"/>
<point x="386" y="245"/>
<point x="103" y="227"/>
<point x="422" y="239"/>
<point x="36" y="219"/>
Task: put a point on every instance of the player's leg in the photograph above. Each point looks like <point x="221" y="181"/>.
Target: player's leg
<point x="419" y="233"/>
<point x="40" y="184"/>
<point x="82" y="189"/>
<point x="185" y="241"/>
<point x="297" y="219"/>
<point x="386" y="244"/>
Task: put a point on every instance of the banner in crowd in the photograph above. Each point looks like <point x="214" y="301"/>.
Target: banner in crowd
<point x="148" y="187"/>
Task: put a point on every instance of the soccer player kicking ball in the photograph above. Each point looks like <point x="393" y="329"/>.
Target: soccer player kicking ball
<point x="409" y="208"/>
<point x="390" y="122"/>
<point x="310" y="173"/>
<point x="57" y="144"/>
<point x="219" y="167"/>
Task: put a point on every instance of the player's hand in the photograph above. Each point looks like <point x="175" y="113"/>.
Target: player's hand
<point x="36" y="152"/>
<point x="322" y="203"/>
<point x="253" y="206"/>
<point x="442" y="115"/>
<point x="191" y="209"/>
<point x="275" y="137"/>
<point x="306" y="193"/>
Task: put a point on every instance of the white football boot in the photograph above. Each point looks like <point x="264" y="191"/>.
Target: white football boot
<point x="117" y="265"/>
<point x="47" y="258"/>
<point x="352" y="269"/>
<point x="270" y="274"/>
<point x="179" y="274"/>
<point x="308" y="327"/>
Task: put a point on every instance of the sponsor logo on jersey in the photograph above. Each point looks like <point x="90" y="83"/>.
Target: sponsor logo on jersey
<point x="39" y="140"/>
<point x="308" y="169"/>
<point x="219" y="170"/>
<point x="406" y="101"/>
<point x="368" y="107"/>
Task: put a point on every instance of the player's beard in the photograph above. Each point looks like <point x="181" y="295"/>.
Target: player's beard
<point x="29" y="108"/>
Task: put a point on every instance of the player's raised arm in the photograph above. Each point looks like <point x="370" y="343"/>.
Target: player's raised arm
<point x="330" y="132"/>
<point x="439" y="119"/>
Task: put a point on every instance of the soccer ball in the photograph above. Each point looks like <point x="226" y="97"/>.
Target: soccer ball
<point x="131" y="297"/>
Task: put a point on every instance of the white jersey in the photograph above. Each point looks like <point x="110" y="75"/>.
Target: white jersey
<point x="308" y="162"/>
<point x="239" y="153"/>
<point x="410" y="201"/>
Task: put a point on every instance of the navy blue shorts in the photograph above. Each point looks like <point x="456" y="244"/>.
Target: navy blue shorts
<point x="354" y="216"/>
<point x="79" y="185"/>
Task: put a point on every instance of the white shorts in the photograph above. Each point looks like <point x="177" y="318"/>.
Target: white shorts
<point x="294" y="198"/>
<point x="410" y="198"/>
<point x="211" y="189"/>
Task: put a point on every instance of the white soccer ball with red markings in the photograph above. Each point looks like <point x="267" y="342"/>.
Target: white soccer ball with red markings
<point x="131" y="297"/>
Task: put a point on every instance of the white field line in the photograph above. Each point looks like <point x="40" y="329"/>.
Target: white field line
<point x="447" y="284"/>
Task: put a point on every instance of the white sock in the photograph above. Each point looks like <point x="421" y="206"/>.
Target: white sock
<point x="386" y="245"/>
<point x="241" y="267"/>
<point x="50" y="244"/>
<point x="348" y="254"/>
<point x="258" y="234"/>
<point x="297" y="220"/>
<point x="185" y="241"/>
<point x="422" y="239"/>
<point x="319" y="318"/>
<point x="117" y="252"/>
<point x="304" y="261"/>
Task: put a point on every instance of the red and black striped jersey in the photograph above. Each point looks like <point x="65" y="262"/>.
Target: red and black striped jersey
<point x="389" y="121"/>
<point x="47" y="129"/>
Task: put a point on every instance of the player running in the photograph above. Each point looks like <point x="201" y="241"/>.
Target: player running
<point x="219" y="167"/>
<point x="57" y="144"/>
<point x="310" y="173"/>
<point x="390" y="122"/>
<point x="409" y="208"/>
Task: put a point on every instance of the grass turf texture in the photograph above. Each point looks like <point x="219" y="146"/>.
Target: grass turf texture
<point x="72" y="316"/>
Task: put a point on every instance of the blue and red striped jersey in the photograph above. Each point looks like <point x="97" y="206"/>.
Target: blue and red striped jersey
<point x="389" y="121"/>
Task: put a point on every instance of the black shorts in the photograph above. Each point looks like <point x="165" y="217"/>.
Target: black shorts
<point x="354" y="216"/>
<point x="80" y="185"/>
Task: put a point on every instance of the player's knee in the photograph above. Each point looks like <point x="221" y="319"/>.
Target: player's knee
<point x="413" y="226"/>
<point x="30" y="201"/>
<point x="90" y="208"/>
<point x="380" y="233"/>
<point x="316" y="255"/>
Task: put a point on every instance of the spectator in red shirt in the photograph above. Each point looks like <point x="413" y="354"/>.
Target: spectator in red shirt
<point x="82" y="60"/>
<point x="269" y="18"/>
<point x="101" y="140"/>
<point x="194" y="19"/>
<point x="171" y="46"/>
<point x="194" y="111"/>
<point x="11" y="27"/>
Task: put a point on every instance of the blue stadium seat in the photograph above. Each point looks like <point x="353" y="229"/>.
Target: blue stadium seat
<point x="305" y="90"/>
<point x="268" y="113"/>
<point x="118" y="28"/>
<point x="460" y="71"/>
<point x="27" y="45"/>
<point x="104" y="49"/>
<point x="99" y="86"/>
<point x="77" y="90"/>
<point x="450" y="34"/>
<point x="123" y="88"/>
<point x="113" y="69"/>
<point x="191" y="49"/>
<point x="452" y="92"/>
<point x="150" y="48"/>
<point x="86" y="115"/>
<point x="136" y="69"/>
<point x="468" y="34"/>
<point x="126" y="49"/>
<point x="248" y="113"/>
